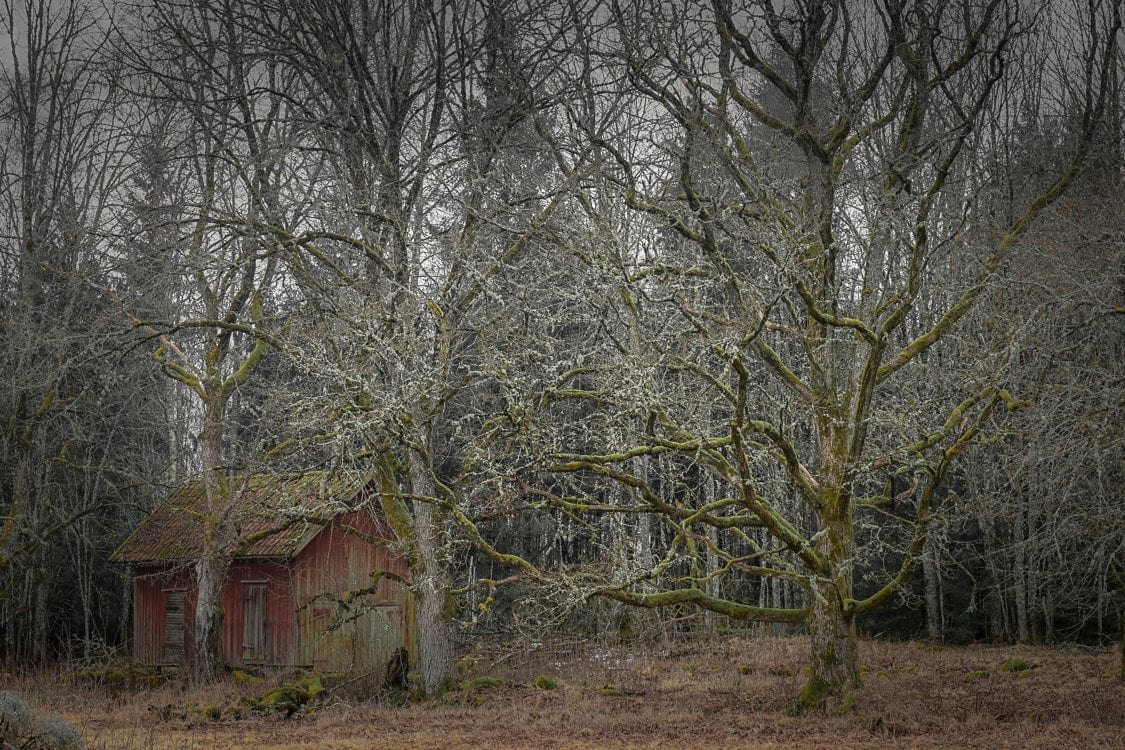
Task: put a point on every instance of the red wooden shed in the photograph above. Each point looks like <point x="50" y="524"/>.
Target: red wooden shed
<point x="316" y="581"/>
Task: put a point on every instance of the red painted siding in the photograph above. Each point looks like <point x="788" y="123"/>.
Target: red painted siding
<point x="149" y="586"/>
<point x="280" y="611"/>
<point x="302" y="596"/>
<point x="377" y="623"/>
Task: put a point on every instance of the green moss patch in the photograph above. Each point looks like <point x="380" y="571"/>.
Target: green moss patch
<point x="245" y="678"/>
<point x="128" y="678"/>
<point x="543" y="682"/>
<point x="847" y="705"/>
<point x="298" y="694"/>
<point x="811" y="697"/>
<point x="1015" y="665"/>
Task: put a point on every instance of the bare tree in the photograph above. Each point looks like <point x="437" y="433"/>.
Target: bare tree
<point x="228" y="158"/>
<point x="61" y="160"/>
<point x="426" y="114"/>
<point x="810" y="168"/>
<point x="1055" y="463"/>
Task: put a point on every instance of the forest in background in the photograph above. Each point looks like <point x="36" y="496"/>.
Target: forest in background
<point x="641" y="318"/>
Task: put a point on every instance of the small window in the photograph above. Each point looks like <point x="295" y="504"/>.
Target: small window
<point x="174" y="630"/>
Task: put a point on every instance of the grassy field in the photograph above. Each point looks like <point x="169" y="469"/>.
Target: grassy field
<point x="730" y="693"/>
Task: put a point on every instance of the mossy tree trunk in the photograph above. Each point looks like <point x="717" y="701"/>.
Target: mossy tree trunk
<point x="834" y="664"/>
<point x="430" y="570"/>
<point x="931" y="571"/>
<point x="212" y="564"/>
<point x="210" y="572"/>
<point x="217" y="527"/>
<point x="409" y="504"/>
<point x="214" y="384"/>
<point x="431" y="589"/>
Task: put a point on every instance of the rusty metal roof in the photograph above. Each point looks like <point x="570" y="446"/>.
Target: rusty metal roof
<point x="264" y="515"/>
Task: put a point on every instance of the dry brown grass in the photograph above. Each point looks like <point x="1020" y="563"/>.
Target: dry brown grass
<point x="727" y="694"/>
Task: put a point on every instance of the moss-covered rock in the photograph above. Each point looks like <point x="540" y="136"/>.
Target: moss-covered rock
<point x="21" y="728"/>
<point x="543" y="682"/>
<point x="297" y="694"/>
<point x="314" y="685"/>
<point x="289" y="694"/>
<point x="121" y="678"/>
<point x="1015" y="665"/>
<point x="53" y="733"/>
<point x="15" y="717"/>
<point x="245" y="678"/>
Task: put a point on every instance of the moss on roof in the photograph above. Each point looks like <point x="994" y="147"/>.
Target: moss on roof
<point x="271" y="515"/>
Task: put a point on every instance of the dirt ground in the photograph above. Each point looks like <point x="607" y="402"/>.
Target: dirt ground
<point x="730" y="693"/>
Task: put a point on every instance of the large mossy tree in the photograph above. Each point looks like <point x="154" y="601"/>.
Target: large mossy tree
<point x="812" y="179"/>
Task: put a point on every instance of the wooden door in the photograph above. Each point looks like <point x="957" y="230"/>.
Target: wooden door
<point x="379" y="634"/>
<point x="173" y="627"/>
<point x="253" y="622"/>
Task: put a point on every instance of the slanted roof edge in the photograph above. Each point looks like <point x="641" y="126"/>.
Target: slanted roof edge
<point x="165" y="518"/>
